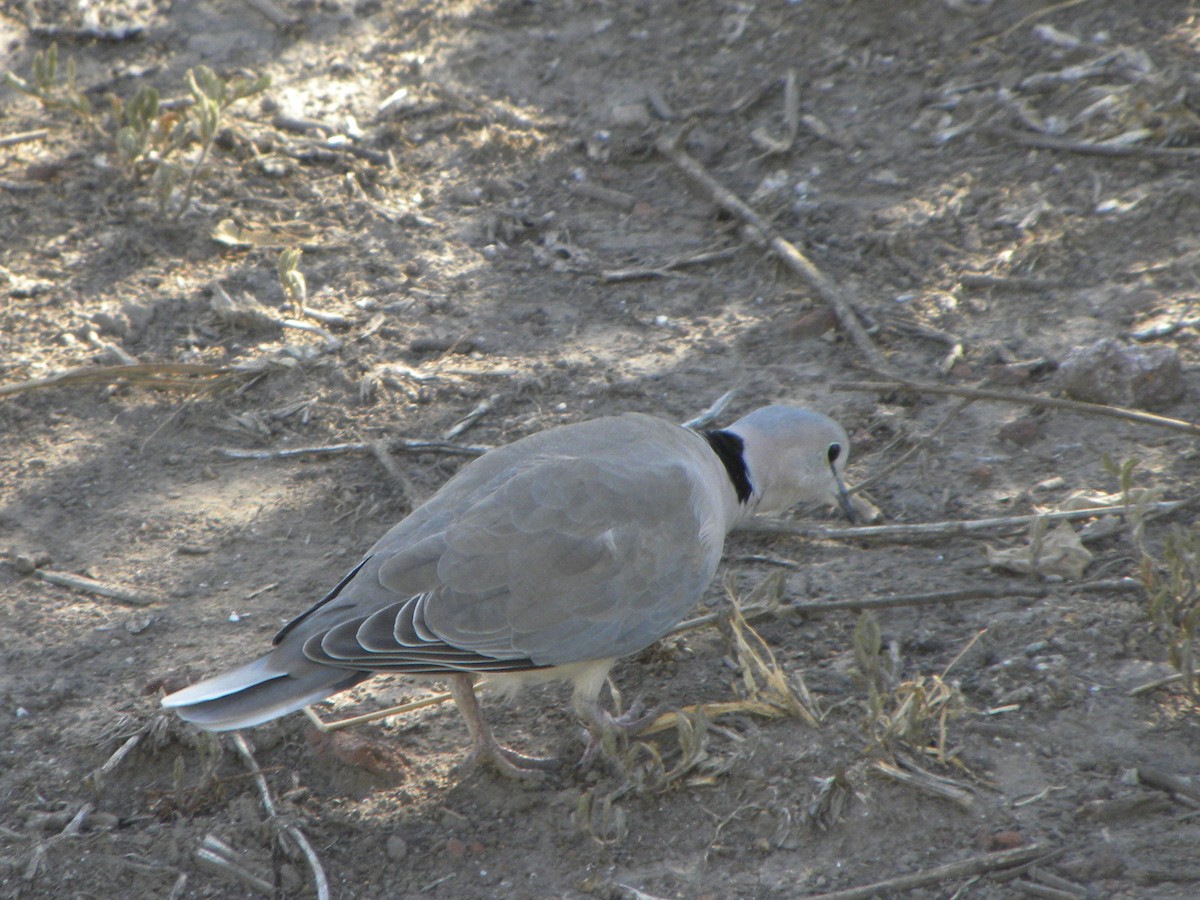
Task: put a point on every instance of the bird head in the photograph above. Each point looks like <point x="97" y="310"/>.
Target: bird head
<point x="794" y="456"/>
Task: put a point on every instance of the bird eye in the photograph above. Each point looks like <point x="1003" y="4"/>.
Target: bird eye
<point x="835" y="450"/>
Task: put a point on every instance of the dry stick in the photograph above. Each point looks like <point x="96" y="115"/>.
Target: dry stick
<point x="707" y="417"/>
<point x="1165" y="781"/>
<point x="829" y="292"/>
<point x="195" y="376"/>
<point x="1070" y="888"/>
<point x="1155" y="685"/>
<point x="314" y="862"/>
<point x="79" y="583"/>
<point x="989" y="862"/>
<point x="1091" y="148"/>
<point x="1096" y="409"/>
<point x="24" y="137"/>
<point x="1033" y="889"/>
<point x="379" y="450"/>
<point x="394" y="444"/>
<point x="923" y="781"/>
<point x="945" y="529"/>
<point x="666" y="270"/>
<point x="997" y="592"/>
<point x="115" y="760"/>
<point x="219" y="856"/>
<point x="481" y="410"/>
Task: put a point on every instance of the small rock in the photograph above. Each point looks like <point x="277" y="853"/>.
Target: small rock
<point x="1051" y="484"/>
<point x="139" y="623"/>
<point x="28" y="563"/>
<point x="630" y="115"/>
<point x="811" y="324"/>
<point x="103" y="821"/>
<point x="1022" y="432"/>
<point x="291" y="881"/>
<point x="981" y="474"/>
<point x="1118" y="374"/>
<point x="138" y="316"/>
<point x="112" y="322"/>
<point x="1004" y="840"/>
<point x="396" y="848"/>
<point x="434" y="343"/>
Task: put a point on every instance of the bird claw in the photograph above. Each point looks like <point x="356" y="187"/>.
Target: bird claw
<point x="510" y="763"/>
<point x="605" y="725"/>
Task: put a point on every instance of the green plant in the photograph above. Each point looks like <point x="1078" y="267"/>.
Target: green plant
<point x="1173" y="583"/>
<point x="211" y="97"/>
<point x="146" y="133"/>
<point x="44" y="84"/>
<point x="1174" y="599"/>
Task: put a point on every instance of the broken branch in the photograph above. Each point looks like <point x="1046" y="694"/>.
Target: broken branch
<point x="829" y="292"/>
<point x="1096" y="409"/>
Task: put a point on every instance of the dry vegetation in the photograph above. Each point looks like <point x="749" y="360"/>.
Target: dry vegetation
<point x="269" y="271"/>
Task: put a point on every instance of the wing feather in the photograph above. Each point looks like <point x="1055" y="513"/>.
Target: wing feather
<point x="578" y="544"/>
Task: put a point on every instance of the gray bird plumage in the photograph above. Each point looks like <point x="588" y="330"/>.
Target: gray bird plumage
<point x="549" y="557"/>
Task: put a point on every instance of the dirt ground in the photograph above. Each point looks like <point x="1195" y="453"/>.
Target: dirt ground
<point x="485" y="220"/>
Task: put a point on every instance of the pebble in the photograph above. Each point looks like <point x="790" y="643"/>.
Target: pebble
<point x="630" y="115"/>
<point x="396" y="848"/>
<point x="1118" y="374"/>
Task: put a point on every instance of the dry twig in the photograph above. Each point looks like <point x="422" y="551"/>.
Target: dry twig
<point x="666" y="269"/>
<point x="92" y="586"/>
<point x="1096" y="409"/>
<point x="1091" y="148"/>
<point x="924" y="781"/>
<point x="826" y="289"/>
<point x="166" y="376"/>
<point x="467" y="421"/>
<point x="217" y="855"/>
<point x="314" y="862"/>
<point x="978" y="865"/>
<point x="927" y="530"/>
<point x="394" y="444"/>
<point x="711" y="414"/>
<point x="24" y="137"/>
<point x="97" y="777"/>
<point x="997" y="592"/>
<point x="379" y="450"/>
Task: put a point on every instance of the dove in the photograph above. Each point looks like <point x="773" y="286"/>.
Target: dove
<point x="549" y="558"/>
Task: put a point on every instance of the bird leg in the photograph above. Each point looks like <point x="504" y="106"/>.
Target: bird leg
<point x="484" y="746"/>
<point x="604" y="729"/>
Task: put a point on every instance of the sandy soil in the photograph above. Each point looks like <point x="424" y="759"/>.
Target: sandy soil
<point x="476" y="181"/>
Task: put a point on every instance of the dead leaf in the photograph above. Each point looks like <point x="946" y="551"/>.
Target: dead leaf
<point x="1059" y="553"/>
<point x="233" y="234"/>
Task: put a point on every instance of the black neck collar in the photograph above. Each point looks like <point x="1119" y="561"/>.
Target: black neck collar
<point x="729" y="449"/>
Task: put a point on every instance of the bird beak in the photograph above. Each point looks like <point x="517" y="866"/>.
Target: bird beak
<point x="844" y="502"/>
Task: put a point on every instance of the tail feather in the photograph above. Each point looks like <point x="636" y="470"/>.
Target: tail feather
<point x="258" y="692"/>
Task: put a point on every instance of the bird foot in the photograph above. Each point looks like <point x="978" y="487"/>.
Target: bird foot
<point x="509" y="762"/>
<point x="605" y="728"/>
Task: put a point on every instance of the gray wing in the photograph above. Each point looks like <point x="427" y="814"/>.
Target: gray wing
<point x="567" y="560"/>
